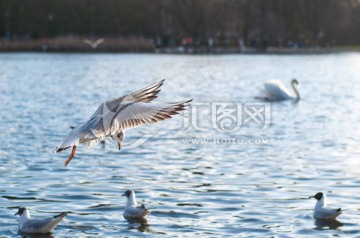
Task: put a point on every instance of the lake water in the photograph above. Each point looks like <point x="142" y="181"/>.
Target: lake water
<point x="250" y="178"/>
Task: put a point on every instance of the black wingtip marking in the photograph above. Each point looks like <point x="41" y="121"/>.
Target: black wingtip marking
<point x="143" y="207"/>
<point x="338" y="210"/>
<point x="63" y="214"/>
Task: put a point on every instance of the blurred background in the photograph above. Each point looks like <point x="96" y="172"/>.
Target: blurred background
<point x="180" y="26"/>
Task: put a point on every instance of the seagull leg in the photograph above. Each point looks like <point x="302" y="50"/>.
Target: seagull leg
<point x="120" y="137"/>
<point x="71" y="156"/>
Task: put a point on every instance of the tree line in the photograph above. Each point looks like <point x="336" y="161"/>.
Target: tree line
<point x="169" y="22"/>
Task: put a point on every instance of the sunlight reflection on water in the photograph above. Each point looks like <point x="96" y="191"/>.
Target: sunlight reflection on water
<point x="193" y="189"/>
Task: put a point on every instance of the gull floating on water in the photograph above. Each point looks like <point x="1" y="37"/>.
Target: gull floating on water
<point x="320" y="209"/>
<point x="133" y="210"/>
<point x="276" y="91"/>
<point x="29" y="225"/>
<point x="94" y="44"/>
<point x="113" y="117"/>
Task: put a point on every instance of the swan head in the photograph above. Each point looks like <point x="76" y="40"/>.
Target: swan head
<point x="294" y="81"/>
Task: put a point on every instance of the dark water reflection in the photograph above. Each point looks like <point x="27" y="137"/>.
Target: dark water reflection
<point x="322" y="224"/>
<point x="193" y="189"/>
<point x="47" y="235"/>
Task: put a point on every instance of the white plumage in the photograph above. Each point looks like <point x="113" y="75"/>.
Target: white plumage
<point x="133" y="210"/>
<point x="276" y="91"/>
<point x="320" y="209"/>
<point x="29" y="225"/>
<point x="113" y="117"/>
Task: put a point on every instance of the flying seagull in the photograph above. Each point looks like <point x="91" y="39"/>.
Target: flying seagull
<point x="29" y="225"/>
<point x="133" y="210"/>
<point x="113" y="117"/>
<point x="320" y="209"/>
<point x="94" y="44"/>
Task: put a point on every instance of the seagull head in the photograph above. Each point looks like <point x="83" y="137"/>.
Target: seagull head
<point x="131" y="198"/>
<point x="318" y="196"/>
<point x="20" y="211"/>
<point x="128" y="193"/>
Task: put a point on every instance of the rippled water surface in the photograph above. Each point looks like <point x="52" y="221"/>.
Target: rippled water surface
<point x="197" y="179"/>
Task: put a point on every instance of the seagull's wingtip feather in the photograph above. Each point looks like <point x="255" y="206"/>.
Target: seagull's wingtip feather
<point x="63" y="214"/>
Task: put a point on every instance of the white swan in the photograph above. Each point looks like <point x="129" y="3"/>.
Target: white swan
<point x="45" y="225"/>
<point x="276" y="91"/>
<point x="320" y="209"/>
<point x="115" y="116"/>
<point x="133" y="210"/>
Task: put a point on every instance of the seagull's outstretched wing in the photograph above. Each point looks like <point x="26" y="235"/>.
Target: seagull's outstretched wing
<point x="98" y="42"/>
<point x="88" y="42"/>
<point x="143" y="95"/>
<point x="133" y="114"/>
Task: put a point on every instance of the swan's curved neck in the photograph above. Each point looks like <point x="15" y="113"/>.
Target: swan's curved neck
<point x="296" y="91"/>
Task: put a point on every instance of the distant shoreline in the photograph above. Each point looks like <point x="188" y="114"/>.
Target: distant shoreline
<point x="142" y="45"/>
<point x="269" y="51"/>
<point x="174" y="52"/>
